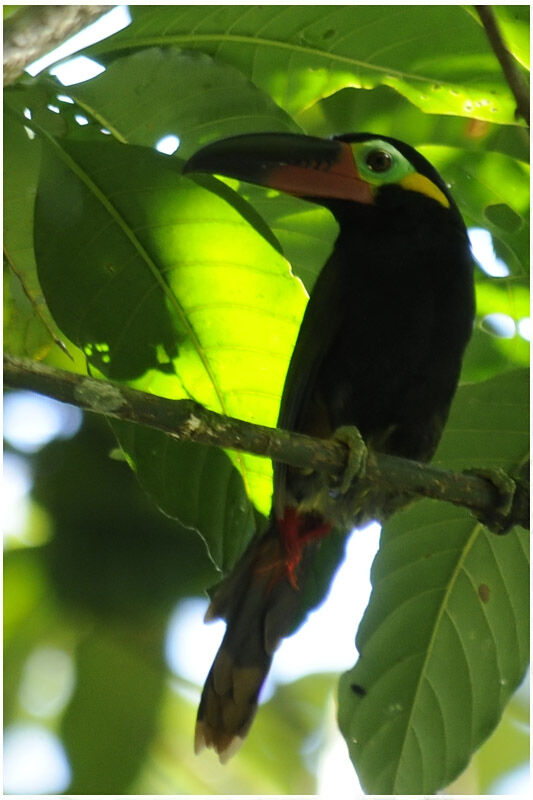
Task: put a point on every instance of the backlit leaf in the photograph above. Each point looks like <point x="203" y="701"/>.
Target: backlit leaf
<point x="133" y="277"/>
<point x="300" y="54"/>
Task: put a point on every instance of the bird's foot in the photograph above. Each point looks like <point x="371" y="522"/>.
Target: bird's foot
<point x="357" y="456"/>
<point x="497" y="520"/>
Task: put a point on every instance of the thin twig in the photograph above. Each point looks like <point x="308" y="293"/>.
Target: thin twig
<point x="512" y="75"/>
<point x="189" y="421"/>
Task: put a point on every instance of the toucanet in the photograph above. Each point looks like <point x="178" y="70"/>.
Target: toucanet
<point x="379" y="348"/>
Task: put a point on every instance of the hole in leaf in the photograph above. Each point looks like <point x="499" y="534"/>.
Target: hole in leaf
<point x="501" y="325"/>
<point x="504" y="217"/>
<point x="483" y="251"/>
<point x="168" y="144"/>
<point x="524" y="328"/>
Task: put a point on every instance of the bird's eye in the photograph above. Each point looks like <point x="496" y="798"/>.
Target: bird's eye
<point x="378" y="160"/>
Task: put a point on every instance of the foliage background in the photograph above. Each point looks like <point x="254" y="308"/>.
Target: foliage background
<point x="104" y="567"/>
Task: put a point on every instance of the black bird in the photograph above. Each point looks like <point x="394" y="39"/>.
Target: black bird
<point x="379" y="348"/>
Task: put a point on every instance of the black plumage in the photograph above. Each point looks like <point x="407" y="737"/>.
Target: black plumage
<point x="380" y="347"/>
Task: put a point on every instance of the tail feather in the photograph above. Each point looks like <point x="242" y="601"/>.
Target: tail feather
<point x="249" y="599"/>
<point x="261" y="602"/>
<point x="228" y="705"/>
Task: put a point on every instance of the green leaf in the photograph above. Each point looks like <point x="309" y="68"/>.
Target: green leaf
<point x="180" y="476"/>
<point x="21" y="171"/>
<point x="504" y="295"/>
<point x="513" y="21"/>
<point x="156" y="92"/>
<point x="140" y="268"/>
<point x="444" y="641"/>
<point x="306" y="231"/>
<point x="482" y="181"/>
<point x="508" y="747"/>
<point x="193" y="95"/>
<point x="24" y="332"/>
<point x="385" y="111"/>
<point x="299" y="54"/>
<point x="487" y="352"/>
<point x="488" y="425"/>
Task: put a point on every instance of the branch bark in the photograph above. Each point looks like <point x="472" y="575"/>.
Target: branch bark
<point x="189" y="421"/>
<point x="512" y="75"/>
<point x="31" y="32"/>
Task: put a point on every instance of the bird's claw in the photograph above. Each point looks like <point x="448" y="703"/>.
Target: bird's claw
<point x="357" y="456"/>
<point x="505" y="486"/>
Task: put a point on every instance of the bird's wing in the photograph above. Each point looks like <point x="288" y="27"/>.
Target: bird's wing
<point x="300" y="408"/>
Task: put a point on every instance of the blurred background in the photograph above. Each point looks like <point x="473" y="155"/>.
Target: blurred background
<point x="105" y="647"/>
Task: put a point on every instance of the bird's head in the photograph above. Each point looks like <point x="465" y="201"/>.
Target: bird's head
<point x="375" y="172"/>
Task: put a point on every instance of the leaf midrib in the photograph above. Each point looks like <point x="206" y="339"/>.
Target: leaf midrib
<point x="436" y="628"/>
<point x="143" y="253"/>
<point x="180" y="39"/>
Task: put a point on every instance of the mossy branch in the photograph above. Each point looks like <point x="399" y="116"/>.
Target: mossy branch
<point x="32" y="31"/>
<point x="189" y="421"/>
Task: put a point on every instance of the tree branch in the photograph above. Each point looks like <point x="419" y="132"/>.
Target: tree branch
<point x="512" y="75"/>
<point x="31" y="32"/>
<point x="189" y="421"/>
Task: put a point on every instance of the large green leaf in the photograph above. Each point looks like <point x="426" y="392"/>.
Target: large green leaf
<point x="488" y="425"/>
<point x="444" y="641"/>
<point x="300" y="54"/>
<point x="132" y="276"/>
<point x="25" y="320"/>
<point x="386" y="112"/>
<point x="198" y="99"/>
<point x="156" y="92"/>
<point x="305" y="230"/>
<point x="180" y="476"/>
